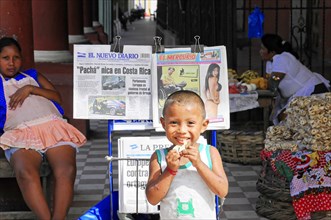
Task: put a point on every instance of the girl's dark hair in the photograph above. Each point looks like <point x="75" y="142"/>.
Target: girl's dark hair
<point x="274" y="42"/>
<point x="210" y="74"/>
<point x="9" y="41"/>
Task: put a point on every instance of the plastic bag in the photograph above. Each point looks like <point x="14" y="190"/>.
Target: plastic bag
<point x="255" y="23"/>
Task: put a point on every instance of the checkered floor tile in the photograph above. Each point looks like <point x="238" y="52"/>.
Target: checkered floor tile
<point x="92" y="182"/>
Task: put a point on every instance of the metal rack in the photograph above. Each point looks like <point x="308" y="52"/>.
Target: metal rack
<point x="110" y="158"/>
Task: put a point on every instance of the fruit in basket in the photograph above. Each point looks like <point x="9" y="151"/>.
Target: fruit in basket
<point x="232" y="76"/>
<point x="246" y="76"/>
<point x="260" y="82"/>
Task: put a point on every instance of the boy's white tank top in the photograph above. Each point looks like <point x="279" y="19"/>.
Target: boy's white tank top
<point x="189" y="196"/>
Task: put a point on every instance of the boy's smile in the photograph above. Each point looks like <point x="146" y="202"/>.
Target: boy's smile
<point x="183" y="123"/>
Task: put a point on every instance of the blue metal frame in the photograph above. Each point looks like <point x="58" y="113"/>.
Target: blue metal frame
<point x="113" y="211"/>
<point x="214" y="143"/>
<point x="99" y="211"/>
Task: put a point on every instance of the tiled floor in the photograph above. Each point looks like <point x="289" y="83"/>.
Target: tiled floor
<point x="240" y="202"/>
<point x="92" y="182"/>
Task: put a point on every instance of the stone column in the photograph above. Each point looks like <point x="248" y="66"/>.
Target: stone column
<point x="95" y="13"/>
<point x="16" y="21"/>
<point x="89" y="31"/>
<point x="52" y="55"/>
<point x="102" y="36"/>
<point x="75" y="23"/>
<point x="50" y="23"/>
<point x="87" y="10"/>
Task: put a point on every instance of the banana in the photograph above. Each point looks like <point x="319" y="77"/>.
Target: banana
<point x="248" y="75"/>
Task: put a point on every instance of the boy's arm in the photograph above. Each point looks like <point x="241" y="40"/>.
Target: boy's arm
<point x="158" y="183"/>
<point x="216" y="178"/>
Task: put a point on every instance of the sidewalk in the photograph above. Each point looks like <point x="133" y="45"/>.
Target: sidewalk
<point x="139" y="32"/>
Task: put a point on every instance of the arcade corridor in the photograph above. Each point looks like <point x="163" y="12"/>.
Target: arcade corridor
<point x="92" y="183"/>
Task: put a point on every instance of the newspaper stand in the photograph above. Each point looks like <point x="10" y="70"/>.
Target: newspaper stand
<point x="109" y="206"/>
<point x="158" y="48"/>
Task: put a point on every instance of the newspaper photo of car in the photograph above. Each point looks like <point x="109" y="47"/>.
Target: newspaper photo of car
<point x="107" y="107"/>
<point x="105" y="76"/>
<point x="113" y="82"/>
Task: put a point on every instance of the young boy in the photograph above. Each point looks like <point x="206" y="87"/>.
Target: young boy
<point x="186" y="177"/>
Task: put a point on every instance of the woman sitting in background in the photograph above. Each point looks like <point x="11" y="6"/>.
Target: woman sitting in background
<point x="294" y="78"/>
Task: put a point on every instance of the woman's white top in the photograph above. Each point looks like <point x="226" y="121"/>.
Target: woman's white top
<point x="298" y="80"/>
<point x="297" y="75"/>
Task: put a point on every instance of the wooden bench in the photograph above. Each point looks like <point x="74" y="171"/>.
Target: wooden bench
<point x="11" y="200"/>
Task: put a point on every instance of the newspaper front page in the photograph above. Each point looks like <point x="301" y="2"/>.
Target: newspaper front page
<point x="109" y="85"/>
<point x="179" y="69"/>
<point x="139" y="149"/>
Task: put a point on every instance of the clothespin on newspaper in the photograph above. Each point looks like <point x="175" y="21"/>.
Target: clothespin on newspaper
<point x="158" y="48"/>
<point x="117" y="47"/>
<point x="197" y="47"/>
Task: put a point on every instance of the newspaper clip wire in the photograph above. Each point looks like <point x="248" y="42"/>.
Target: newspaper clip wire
<point x="111" y="159"/>
<point x="117" y="47"/>
<point x="220" y="208"/>
<point x="158" y="48"/>
<point x="197" y="47"/>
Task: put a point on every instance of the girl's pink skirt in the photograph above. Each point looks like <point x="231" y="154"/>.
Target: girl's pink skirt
<point x="41" y="134"/>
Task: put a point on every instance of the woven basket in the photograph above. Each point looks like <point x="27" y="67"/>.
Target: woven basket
<point x="273" y="209"/>
<point x="272" y="185"/>
<point x="326" y="215"/>
<point x="241" y="146"/>
<point x="276" y="210"/>
<point x="275" y="201"/>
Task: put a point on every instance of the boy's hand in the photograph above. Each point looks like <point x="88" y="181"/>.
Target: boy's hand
<point x="172" y="159"/>
<point x="192" y="153"/>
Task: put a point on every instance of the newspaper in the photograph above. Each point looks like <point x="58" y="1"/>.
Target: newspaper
<point x="190" y="71"/>
<point x="139" y="150"/>
<point x="109" y="85"/>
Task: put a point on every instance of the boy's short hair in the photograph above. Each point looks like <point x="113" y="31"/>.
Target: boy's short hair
<point x="184" y="97"/>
